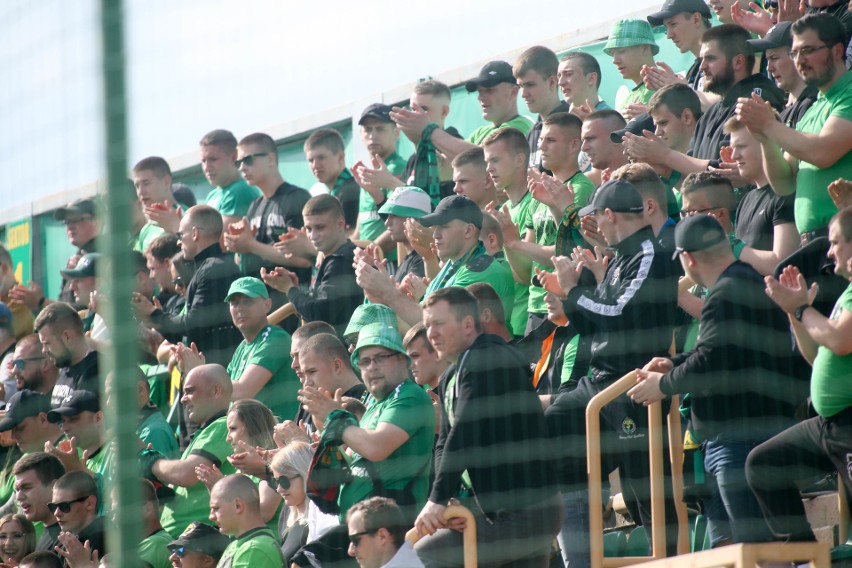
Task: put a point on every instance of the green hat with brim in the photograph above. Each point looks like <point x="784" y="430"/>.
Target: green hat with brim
<point x="247" y="286"/>
<point x="629" y="33"/>
<point x="407" y="201"/>
<point x="366" y="314"/>
<point x="379" y="335"/>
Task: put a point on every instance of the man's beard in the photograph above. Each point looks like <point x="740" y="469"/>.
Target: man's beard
<point x="720" y="84"/>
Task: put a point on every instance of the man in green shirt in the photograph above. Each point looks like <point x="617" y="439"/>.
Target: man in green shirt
<point x="154" y="548"/>
<point x="231" y="195"/>
<point x="235" y="509"/>
<point x="260" y="367"/>
<point x="818" y="151"/>
<point x="391" y="448"/>
<point x="632" y="46"/>
<point x="497" y="91"/>
<point x="206" y="396"/>
<point x="471" y="178"/>
<point x="152" y="178"/>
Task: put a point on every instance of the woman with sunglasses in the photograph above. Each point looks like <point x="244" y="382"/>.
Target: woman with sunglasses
<point x="250" y="426"/>
<point x="17" y="539"/>
<point x="304" y="522"/>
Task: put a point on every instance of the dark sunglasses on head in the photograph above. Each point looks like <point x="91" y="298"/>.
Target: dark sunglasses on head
<point x="355" y="538"/>
<point x="65" y="506"/>
<point x="249" y="160"/>
<point x="282" y="481"/>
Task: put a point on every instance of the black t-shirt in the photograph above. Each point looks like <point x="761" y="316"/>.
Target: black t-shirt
<point x="792" y="114"/>
<point x="49" y="538"/>
<point x="82" y="376"/>
<point x="411" y="264"/>
<point x="694" y="76"/>
<point x="759" y="211"/>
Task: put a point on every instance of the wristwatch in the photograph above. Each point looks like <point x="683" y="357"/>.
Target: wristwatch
<point x="800" y="311"/>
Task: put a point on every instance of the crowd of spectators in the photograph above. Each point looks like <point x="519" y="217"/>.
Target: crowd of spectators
<point x="423" y="331"/>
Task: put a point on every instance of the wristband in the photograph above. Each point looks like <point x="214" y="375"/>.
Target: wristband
<point x="800" y="311"/>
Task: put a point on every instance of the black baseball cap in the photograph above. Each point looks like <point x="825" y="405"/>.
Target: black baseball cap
<point x="199" y="537"/>
<point x="454" y="207"/>
<point x="674" y="7"/>
<point x="779" y="35"/>
<point x="85" y="206"/>
<point x="698" y="232"/>
<point x="618" y="195"/>
<point x="491" y="75"/>
<point x="378" y="111"/>
<point x="636" y="125"/>
<point x="85" y="267"/>
<point x="23" y="404"/>
<point x="75" y="403"/>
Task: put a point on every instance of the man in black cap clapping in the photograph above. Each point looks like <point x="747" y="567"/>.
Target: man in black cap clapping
<point x="198" y="545"/>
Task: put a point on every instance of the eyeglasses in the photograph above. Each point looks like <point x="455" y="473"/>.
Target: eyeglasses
<point x="282" y="481"/>
<point x="178" y="551"/>
<point x="77" y="220"/>
<point x="684" y="213"/>
<point x="805" y="51"/>
<point x="249" y="160"/>
<point x="19" y="364"/>
<point x="65" y="506"/>
<point x="365" y="362"/>
<point x="355" y="539"/>
<point x="181" y="234"/>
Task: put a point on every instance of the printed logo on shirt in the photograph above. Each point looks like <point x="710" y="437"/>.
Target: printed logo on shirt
<point x="628" y="428"/>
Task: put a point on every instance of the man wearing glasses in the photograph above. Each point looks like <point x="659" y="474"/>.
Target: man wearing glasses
<point x="75" y="505"/>
<point x="199" y="546"/>
<point x="377" y="535"/>
<point x="392" y="446"/>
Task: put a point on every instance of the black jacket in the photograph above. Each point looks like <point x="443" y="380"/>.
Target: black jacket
<point x="207" y="321"/>
<point x="333" y="294"/>
<point x="710" y="136"/>
<point x="741" y="372"/>
<point x="497" y="434"/>
<point x="630" y="315"/>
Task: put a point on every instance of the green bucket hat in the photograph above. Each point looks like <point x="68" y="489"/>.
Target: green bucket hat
<point x="407" y="201"/>
<point x="365" y="314"/>
<point x="627" y="33"/>
<point x="247" y="286"/>
<point x="381" y="335"/>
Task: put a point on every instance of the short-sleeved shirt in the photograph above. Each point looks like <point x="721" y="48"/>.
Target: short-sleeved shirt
<point x="154" y="430"/>
<point x="371" y="226"/>
<point x="831" y="379"/>
<point x="759" y="212"/>
<point x="234" y="199"/>
<point x="409" y="408"/>
<point x="147" y="233"/>
<point x="639" y="94"/>
<point x="814" y="207"/>
<point x="80" y="376"/>
<point x="521" y="215"/>
<point x="193" y="503"/>
<point x="102" y="464"/>
<point x="546" y="229"/>
<point x="154" y="549"/>
<point x="257" y="548"/>
<point x="522" y="123"/>
<point x="270" y="350"/>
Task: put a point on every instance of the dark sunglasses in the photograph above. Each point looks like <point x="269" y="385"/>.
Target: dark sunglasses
<point x="282" y="481"/>
<point x="178" y="551"/>
<point x="249" y="160"/>
<point x="355" y="539"/>
<point x="19" y="364"/>
<point x="178" y="281"/>
<point x="65" y="506"/>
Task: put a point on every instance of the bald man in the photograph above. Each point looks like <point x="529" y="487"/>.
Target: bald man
<point x="235" y="509"/>
<point x="206" y="395"/>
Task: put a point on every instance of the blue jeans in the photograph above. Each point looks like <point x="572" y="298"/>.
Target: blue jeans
<point x="732" y="511"/>
<point x="574" y="537"/>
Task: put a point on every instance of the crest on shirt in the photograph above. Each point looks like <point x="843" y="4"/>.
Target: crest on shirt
<point x="628" y="426"/>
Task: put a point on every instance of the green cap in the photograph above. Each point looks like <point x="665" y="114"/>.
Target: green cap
<point x="365" y="314"/>
<point x="627" y="33"/>
<point x="407" y="201"/>
<point x="381" y="335"/>
<point x="247" y="286"/>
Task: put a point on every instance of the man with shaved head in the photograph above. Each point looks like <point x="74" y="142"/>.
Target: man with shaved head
<point x="206" y="395"/>
<point x="235" y="508"/>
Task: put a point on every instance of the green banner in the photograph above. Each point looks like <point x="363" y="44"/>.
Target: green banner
<point x="18" y="243"/>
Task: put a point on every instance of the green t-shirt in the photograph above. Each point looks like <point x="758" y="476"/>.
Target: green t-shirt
<point x="521" y="215"/>
<point x="257" y="548"/>
<point x="193" y="503"/>
<point x="272" y="523"/>
<point x="148" y="233"/>
<point x="101" y="464"/>
<point x="546" y="229"/>
<point x="233" y="199"/>
<point x="569" y="357"/>
<point x="640" y="94"/>
<point x="156" y="431"/>
<point x="270" y="350"/>
<point x="831" y="378"/>
<point x="154" y="549"/>
<point x="370" y="225"/>
<point x="522" y="123"/>
<point x="814" y="207"/>
<point x="410" y="408"/>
